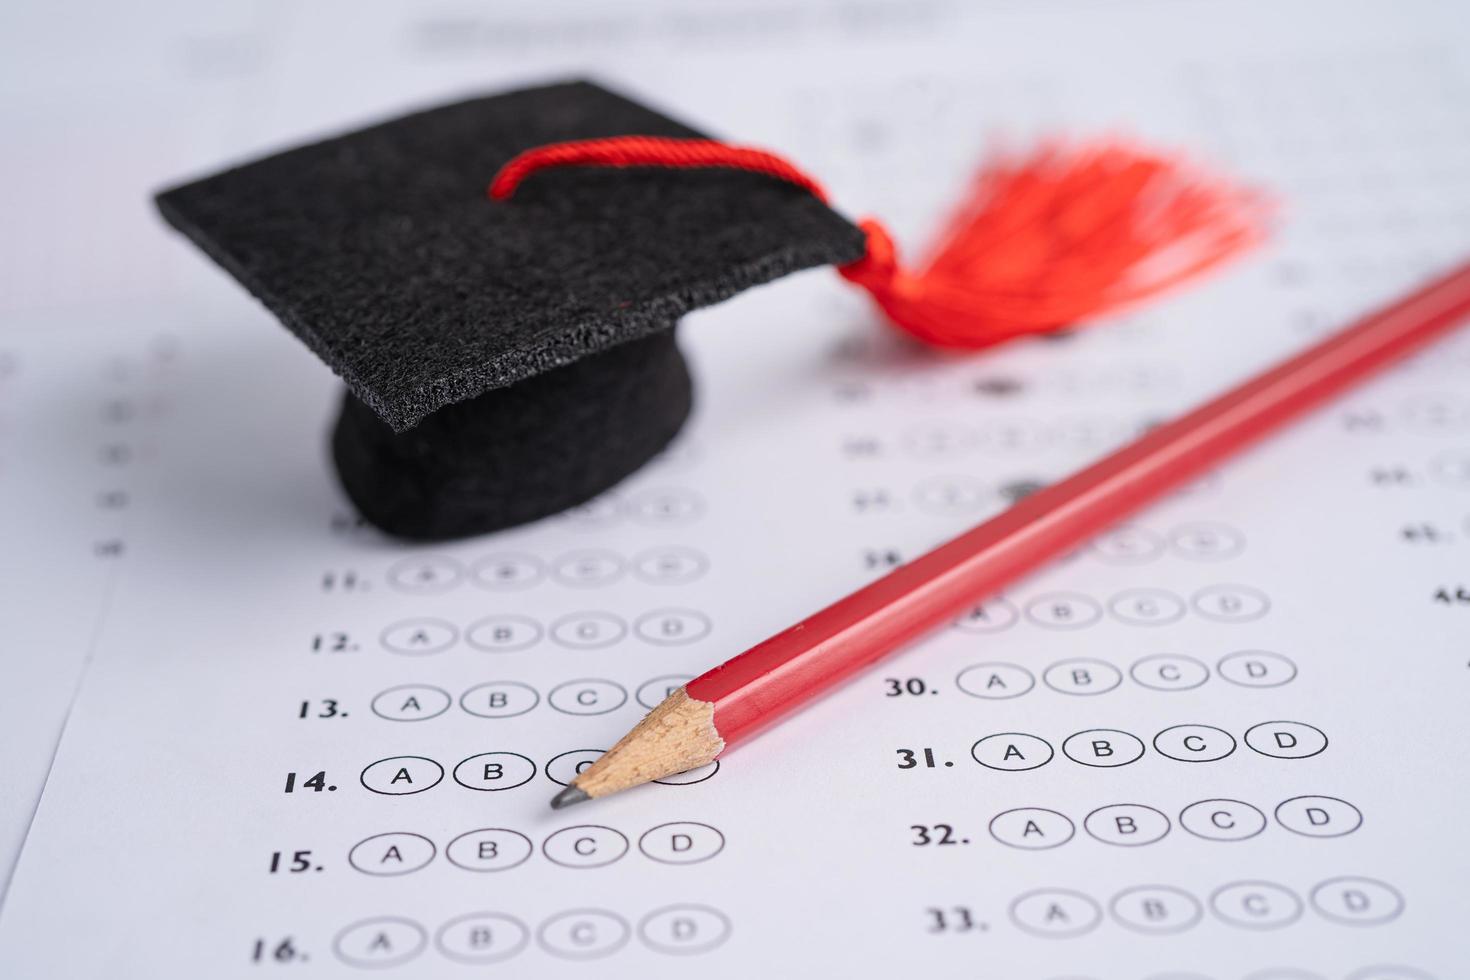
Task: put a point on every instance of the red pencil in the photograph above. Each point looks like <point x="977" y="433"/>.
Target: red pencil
<point x="712" y="713"/>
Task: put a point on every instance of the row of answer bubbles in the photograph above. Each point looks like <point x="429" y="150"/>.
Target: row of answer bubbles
<point x="963" y="495"/>
<point x="1109" y="748"/>
<point x="515" y="571"/>
<point x="1224" y="603"/>
<point x="590" y="629"/>
<point x="1134" y="544"/>
<point x="1083" y="676"/>
<point x="1437" y="414"/>
<point x="1060" y="913"/>
<point x="1032" y="828"/>
<point x="1124" y="378"/>
<point x="491" y="937"/>
<point x="567" y="766"/>
<point x="490" y="849"/>
<point x="653" y="507"/>
<point x="1452" y="469"/>
<point x="492" y="772"/>
<point x="1011" y="437"/>
<point x="1131" y="544"/>
<point x="958" y="494"/>
<point x="510" y="699"/>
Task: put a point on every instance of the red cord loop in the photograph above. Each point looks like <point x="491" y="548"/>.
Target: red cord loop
<point x="647" y="151"/>
<point x="1042" y="242"/>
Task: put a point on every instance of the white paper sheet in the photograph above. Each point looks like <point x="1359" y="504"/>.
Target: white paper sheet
<point x="1281" y="647"/>
<point x="78" y="407"/>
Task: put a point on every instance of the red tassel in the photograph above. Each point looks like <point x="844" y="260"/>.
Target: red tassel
<point x="1058" y="238"/>
<point x="1042" y="243"/>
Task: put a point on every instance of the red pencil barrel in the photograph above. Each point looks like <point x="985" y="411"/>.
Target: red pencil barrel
<point x="798" y="664"/>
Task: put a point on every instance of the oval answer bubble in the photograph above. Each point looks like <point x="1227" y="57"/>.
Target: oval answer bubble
<point x="1103" y="748"/>
<point x="508" y="571"/>
<point x="1032" y="828"/>
<point x="1194" y="743"/>
<point x="588" y="630"/>
<point x="503" y="633"/>
<point x="1126" y="824"/>
<point x="1231" y="603"/>
<point x="1206" y="541"/>
<point x="1156" y="909"/>
<point x="402" y="775"/>
<point x="1318" y="816"/>
<point x="583" y="934"/>
<point x="1082" y="676"/>
<point x="499" y="699"/>
<point x="1012" y="751"/>
<point x="1357" y="901"/>
<point x="1286" y="739"/>
<point x="585" y="846"/>
<point x="672" y="627"/>
<point x="589" y="568"/>
<point x="587" y="696"/>
<point x="1055" y="913"/>
<point x="1256" y="904"/>
<point x="391" y="854"/>
<point x="990" y="616"/>
<point x="670" y="565"/>
<point x="418" y="637"/>
<point x="1063" y="610"/>
<point x="493" y="772"/>
<point x="482" y="937"/>
<point x="1146" y="607"/>
<point x="1224" y="820"/>
<point x="1256" y="668"/>
<point x="684" y="929"/>
<point x="1128" y="545"/>
<point x="681" y="842"/>
<point x="489" y="849"/>
<point x="411" y="702"/>
<point x="665" y="506"/>
<point x="425" y="574"/>
<point x="1169" y="672"/>
<point x="383" y="941"/>
<point x="995" y="681"/>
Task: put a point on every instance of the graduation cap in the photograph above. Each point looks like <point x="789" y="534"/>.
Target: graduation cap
<point x="511" y="354"/>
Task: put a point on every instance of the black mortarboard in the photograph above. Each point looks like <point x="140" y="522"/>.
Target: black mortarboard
<point x="504" y="359"/>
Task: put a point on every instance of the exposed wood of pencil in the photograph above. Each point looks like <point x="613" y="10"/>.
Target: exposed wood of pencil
<point x="736" y="699"/>
<point x="674" y="737"/>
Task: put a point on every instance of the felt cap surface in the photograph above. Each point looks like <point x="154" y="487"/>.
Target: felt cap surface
<point x="382" y="252"/>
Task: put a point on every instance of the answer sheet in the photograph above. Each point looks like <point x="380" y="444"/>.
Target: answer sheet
<point x="1222" y="741"/>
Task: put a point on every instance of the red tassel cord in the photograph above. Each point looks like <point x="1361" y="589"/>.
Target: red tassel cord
<point x="1045" y="241"/>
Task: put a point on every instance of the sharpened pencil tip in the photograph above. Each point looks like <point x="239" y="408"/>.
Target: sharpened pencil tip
<point x="567" y="797"/>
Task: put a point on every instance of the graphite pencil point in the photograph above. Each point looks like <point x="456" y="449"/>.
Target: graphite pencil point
<point x="568" y="797"/>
